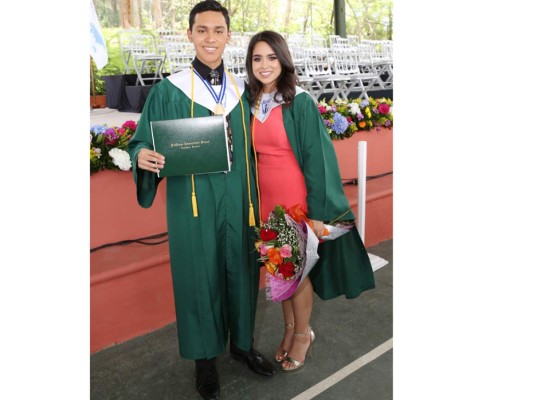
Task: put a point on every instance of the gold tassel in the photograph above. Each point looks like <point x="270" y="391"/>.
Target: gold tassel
<point x="193" y="195"/>
<point x="194" y="206"/>
<point x="251" y="216"/>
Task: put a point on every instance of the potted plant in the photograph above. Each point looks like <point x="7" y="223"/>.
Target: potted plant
<point x="98" y="96"/>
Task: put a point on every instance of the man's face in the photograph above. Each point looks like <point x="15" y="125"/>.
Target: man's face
<point x="209" y="36"/>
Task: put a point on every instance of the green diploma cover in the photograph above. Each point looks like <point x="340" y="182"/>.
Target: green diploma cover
<point x="191" y="145"/>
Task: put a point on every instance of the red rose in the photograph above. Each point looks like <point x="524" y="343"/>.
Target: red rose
<point x="267" y="235"/>
<point x="322" y="109"/>
<point x="383" y="108"/>
<point x="286" y="269"/>
<point x="349" y="119"/>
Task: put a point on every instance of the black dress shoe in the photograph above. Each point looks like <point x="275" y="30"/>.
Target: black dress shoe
<point x="255" y="361"/>
<point x="207" y="379"/>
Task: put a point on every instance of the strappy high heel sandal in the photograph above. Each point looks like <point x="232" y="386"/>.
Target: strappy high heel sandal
<point x="281" y="353"/>
<point x="295" y="365"/>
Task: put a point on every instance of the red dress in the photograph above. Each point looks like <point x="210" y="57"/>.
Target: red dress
<point x="281" y="180"/>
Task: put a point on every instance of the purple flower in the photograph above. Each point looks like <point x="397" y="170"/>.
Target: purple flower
<point x="387" y="123"/>
<point x="360" y="116"/>
<point x="364" y="103"/>
<point x="111" y="136"/>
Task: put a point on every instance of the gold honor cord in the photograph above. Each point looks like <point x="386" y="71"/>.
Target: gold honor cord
<point x="255" y="156"/>
<point x="251" y="216"/>
<point x="193" y="195"/>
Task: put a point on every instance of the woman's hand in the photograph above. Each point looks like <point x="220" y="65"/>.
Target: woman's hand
<point x="318" y="227"/>
<point x="150" y="160"/>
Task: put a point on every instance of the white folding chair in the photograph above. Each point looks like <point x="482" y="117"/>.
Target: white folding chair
<point x="124" y="38"/>
<point x="318" y="41"/>
<point x="298" y="59"/>
<point x="146" y="59"/>
<point x="333" y="40"/>
<point x="353" y="40"/>
<point x="235" y="61"/>
<point x="373" y="56"/>
<point x="179" y="55"/>
<point x="318" y="66"/>
<point x="296" y="40"/>
<point x="345" y="63"/>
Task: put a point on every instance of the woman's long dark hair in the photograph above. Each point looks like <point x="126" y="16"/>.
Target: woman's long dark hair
<point x="286" y="83"/>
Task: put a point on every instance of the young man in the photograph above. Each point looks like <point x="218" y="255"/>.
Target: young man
<point x="214" y="268"/>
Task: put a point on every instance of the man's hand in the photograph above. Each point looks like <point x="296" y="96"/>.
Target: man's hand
<point x="150" y="160"/>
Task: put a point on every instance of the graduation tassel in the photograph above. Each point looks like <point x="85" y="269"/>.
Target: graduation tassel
<point x="193" y="194"/>
<point x="251" y="216"/>
<point x="193" y="198"/>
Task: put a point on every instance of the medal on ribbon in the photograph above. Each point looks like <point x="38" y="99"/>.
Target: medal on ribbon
<point x="219" y="108"/>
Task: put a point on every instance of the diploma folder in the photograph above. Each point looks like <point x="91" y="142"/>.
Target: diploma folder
<point x="191" y="145"/>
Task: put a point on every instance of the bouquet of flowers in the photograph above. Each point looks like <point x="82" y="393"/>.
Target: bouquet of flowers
<point x="108" y="146"/>
<point x="288" y="246"/>
<point x="345" y="117"/>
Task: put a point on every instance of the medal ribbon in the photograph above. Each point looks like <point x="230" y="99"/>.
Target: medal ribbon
<point x="218" y="99"/>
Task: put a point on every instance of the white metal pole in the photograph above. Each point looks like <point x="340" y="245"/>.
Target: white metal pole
<point x="361" y="184"/>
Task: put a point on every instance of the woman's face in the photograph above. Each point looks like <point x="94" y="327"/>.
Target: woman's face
<point x="265" y="66"/>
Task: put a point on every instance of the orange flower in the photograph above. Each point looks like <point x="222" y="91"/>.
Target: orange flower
<point x="274" y="256"/>
<point x="297" y="213"/>
<point x="361" y="124"/>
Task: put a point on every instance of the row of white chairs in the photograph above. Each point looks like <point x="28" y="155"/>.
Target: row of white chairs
<point x="338" y="70"/>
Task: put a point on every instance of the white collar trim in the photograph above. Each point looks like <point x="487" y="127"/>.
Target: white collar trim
<point x="202" y="96"/>
<point x="271" y="102"/>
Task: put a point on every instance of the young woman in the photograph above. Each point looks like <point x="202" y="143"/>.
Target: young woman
<point x="296" y="164"/>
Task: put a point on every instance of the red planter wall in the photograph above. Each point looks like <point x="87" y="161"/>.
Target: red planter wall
<point x="115" y="214"/>
<point x="379" y="153"/>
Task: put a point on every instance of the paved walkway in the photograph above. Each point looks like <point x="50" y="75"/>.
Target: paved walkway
<point x="352" y="355"/>
<point x="111" y="117"/>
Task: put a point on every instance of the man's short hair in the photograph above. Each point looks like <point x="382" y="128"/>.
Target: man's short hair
<point x="208" y="5"/>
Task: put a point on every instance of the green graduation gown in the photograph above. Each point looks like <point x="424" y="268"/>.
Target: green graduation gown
<point x="344" y="266"/>
<point x="215" y="273"/>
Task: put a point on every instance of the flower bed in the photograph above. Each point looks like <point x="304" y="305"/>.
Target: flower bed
<point x="345" y="117"/>
<point x="109" y="147"/>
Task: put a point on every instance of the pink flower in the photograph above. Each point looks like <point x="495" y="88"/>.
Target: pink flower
<point x="286" y="250"/>
<point x="383" y="108"/>
<point x="322" y="109"/>
<point x="263" y="249"/>
<point x="130" y="125"/>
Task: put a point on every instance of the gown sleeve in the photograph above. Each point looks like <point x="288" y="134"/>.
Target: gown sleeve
<point x="326" y="200"/>
<point x="155" y="108"/>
